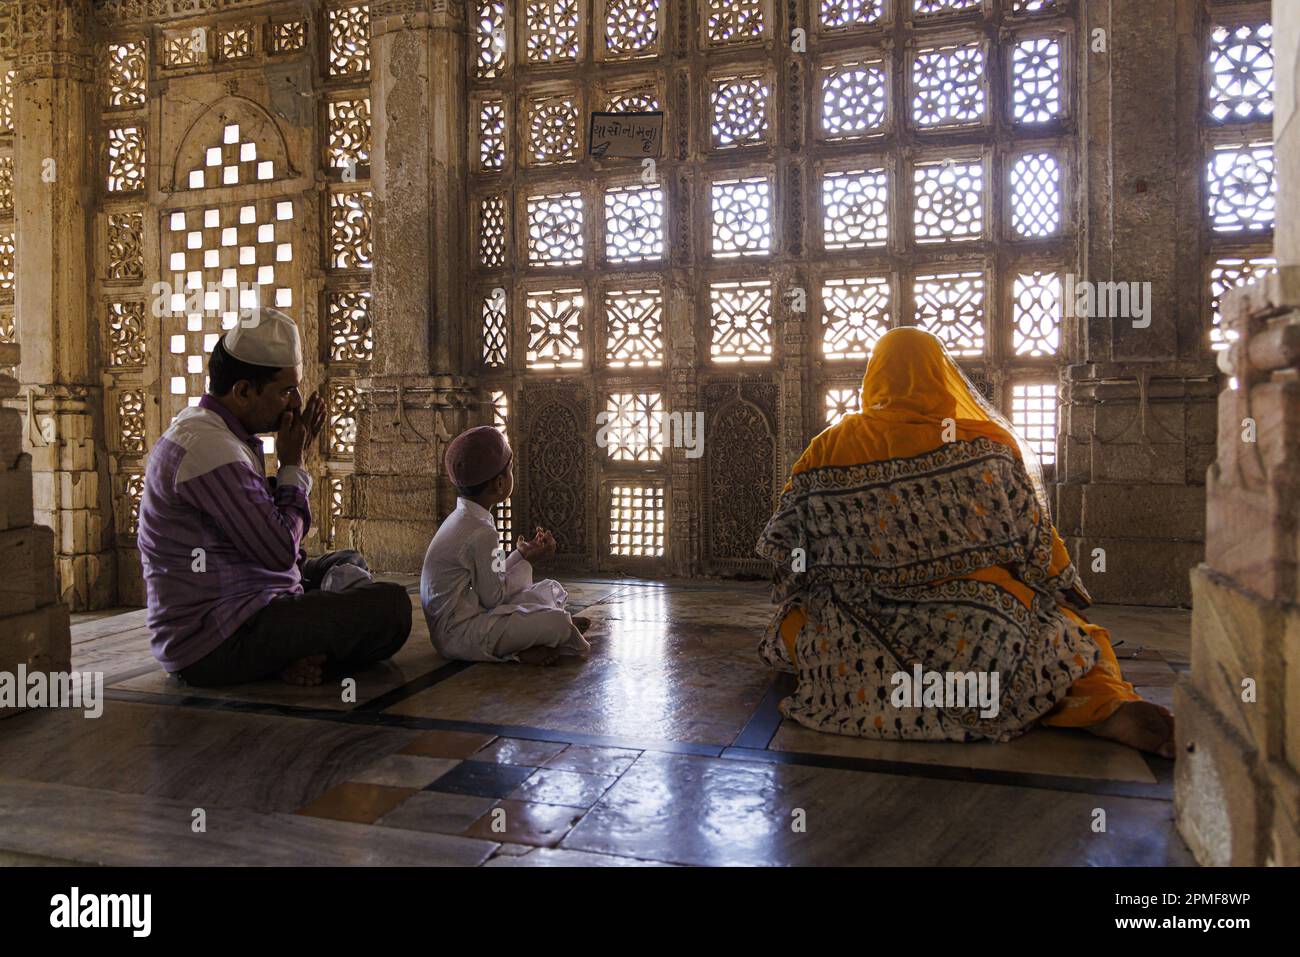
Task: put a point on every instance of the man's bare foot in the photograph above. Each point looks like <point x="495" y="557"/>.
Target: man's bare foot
<point x="306" y="671"/>
<point x="1141" y="725"/>
<point x="582" y="622"/>
<point x="542" y="657"/>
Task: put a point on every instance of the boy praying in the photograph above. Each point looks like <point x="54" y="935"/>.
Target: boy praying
<point x="482" y="605"/>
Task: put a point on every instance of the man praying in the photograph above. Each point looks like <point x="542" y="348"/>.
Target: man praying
<point x="231" y="595"/>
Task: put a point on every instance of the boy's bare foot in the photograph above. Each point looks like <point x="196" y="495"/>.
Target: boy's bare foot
<point x="1141" y="725"/>
<point x="306" y="671"/>
<point x="582" y="622"/>
<point x="539" y="656"/>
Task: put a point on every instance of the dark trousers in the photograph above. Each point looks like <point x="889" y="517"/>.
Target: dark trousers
<point x="353" y="628"/>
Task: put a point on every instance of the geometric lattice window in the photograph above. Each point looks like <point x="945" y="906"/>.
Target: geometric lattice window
<point x="555" y="329"/>
<point x="1035" y="195"/>
<point x="492" y="134"/>
<point x="552" y="30"/>
<point x="634" y="223"/>
<point x="849" y="13"/>
<point x="503" y="516"/>
<point x="492" y="231"/>
<point x="952" y="307"/>
<point x="742" y="321"/>
<point x="184" y="47"/>
<point x="349" y="41"/>
<point x="288" y="36"/>
<point x="742" y="224"/>
<point x="631" y="27"/>
<point x="1036" y="80"/>
<point x="633" y="426"/>
<point x="637" y="100"/>
<point x="948" y="85"/>
<point x="853" y="99"/>
<point x="739" y="110"/>
<point x="855" y="313"/>
<point x="633" y="328"/>
<point x="7" y="80"/>
<point x="231" y="163"/>
<point x="125" y="159"/>
<point x="130" y="419"/>
<point x="949" y="202"/>
<point x="234" y="43"/>
<point x="7" y="267"/>
<point x="842" y="402"/>
<point x="490" y="33"/>
<point x="1229" y="272"/>
<point x="1032" y="6"/>
<point x="1242" y="188"/>
<point x="555" y="229"/>
<point x="500" y="410"/>
<point x="636" y="520"/>
<point x="1241" y="73"/>
<point x="730" y="21"/>
<point x="349" y="326"/>
<point x="924" y="8"/>
<point x="495" y="330"/>
<point x="1035" y="314"/>
<point x="1033" y="413"/>
<point x="552" y="130"/>
<point x="855" y="209"/>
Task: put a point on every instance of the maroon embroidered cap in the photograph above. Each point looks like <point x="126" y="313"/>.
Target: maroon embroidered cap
<point x="477" y="455"/>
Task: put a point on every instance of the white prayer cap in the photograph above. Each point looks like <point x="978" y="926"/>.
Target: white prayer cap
<point x="266" y="338"/>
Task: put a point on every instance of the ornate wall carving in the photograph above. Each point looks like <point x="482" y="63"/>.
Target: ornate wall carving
<point x="739" y="483"/>
<point x="555" y="468"/>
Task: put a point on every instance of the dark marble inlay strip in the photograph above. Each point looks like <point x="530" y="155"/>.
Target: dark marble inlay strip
<point x="413" y="723"/>
<point x="1162" y="790"/>
<point x="766" y="719"/>
<point x="414" y="686"/>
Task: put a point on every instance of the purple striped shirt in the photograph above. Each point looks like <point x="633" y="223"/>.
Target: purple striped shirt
<point x="218" y="540"/>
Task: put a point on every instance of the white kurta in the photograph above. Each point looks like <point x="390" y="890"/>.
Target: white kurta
<point x="477" y="613"/>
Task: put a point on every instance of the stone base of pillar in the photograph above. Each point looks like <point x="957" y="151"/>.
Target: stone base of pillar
<point x="398" y="492"/>
<point x="1131" y="478"/>
<point x="34" y="628"/>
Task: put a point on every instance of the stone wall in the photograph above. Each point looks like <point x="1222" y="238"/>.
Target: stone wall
<point x="1237" y="791"/>
<point x="34" y="629"/>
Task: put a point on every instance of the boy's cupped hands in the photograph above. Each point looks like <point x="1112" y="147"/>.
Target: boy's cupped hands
<point x="539" y="548"/>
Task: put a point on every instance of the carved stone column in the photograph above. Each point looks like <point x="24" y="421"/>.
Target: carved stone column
<point x="415" y="399"/>
<point x="1237" y="786"/>
<point x="1138" y="401"/>
<point x="55" y="166"/>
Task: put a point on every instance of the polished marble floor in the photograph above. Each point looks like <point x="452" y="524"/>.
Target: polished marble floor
<point x="663" y="747"/>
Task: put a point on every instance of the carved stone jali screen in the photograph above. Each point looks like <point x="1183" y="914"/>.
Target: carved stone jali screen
<point x="829" y="170"/>
<point x="224" y="139"/>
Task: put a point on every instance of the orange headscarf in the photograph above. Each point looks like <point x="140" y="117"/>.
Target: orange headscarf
<point x="914" y="398"/>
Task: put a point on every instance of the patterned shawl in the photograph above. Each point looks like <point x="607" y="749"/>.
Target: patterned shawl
<point x="883" y="554"/>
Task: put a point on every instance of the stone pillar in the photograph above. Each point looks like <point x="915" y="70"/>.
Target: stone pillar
<point x="1138" y="403"/>
<point x="414" y="399"/>
<point x="54" y="170"/>
<point x="1237" y="790"/>
<point x="34" y="630"/>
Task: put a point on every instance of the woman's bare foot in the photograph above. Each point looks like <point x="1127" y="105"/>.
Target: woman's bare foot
<point x="306" y="671"/>
<point x="1141" y="725"/>
<point x="542" y="657"/>
<point x="582" y="622"/>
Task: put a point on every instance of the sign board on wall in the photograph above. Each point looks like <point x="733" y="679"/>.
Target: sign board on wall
<point x="626" y="134"/>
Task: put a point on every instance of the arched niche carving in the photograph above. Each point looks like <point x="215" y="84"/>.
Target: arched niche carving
<point x="555" y="478"/>
<point x="739" y="473"/>
<point x="256" y="125"/>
